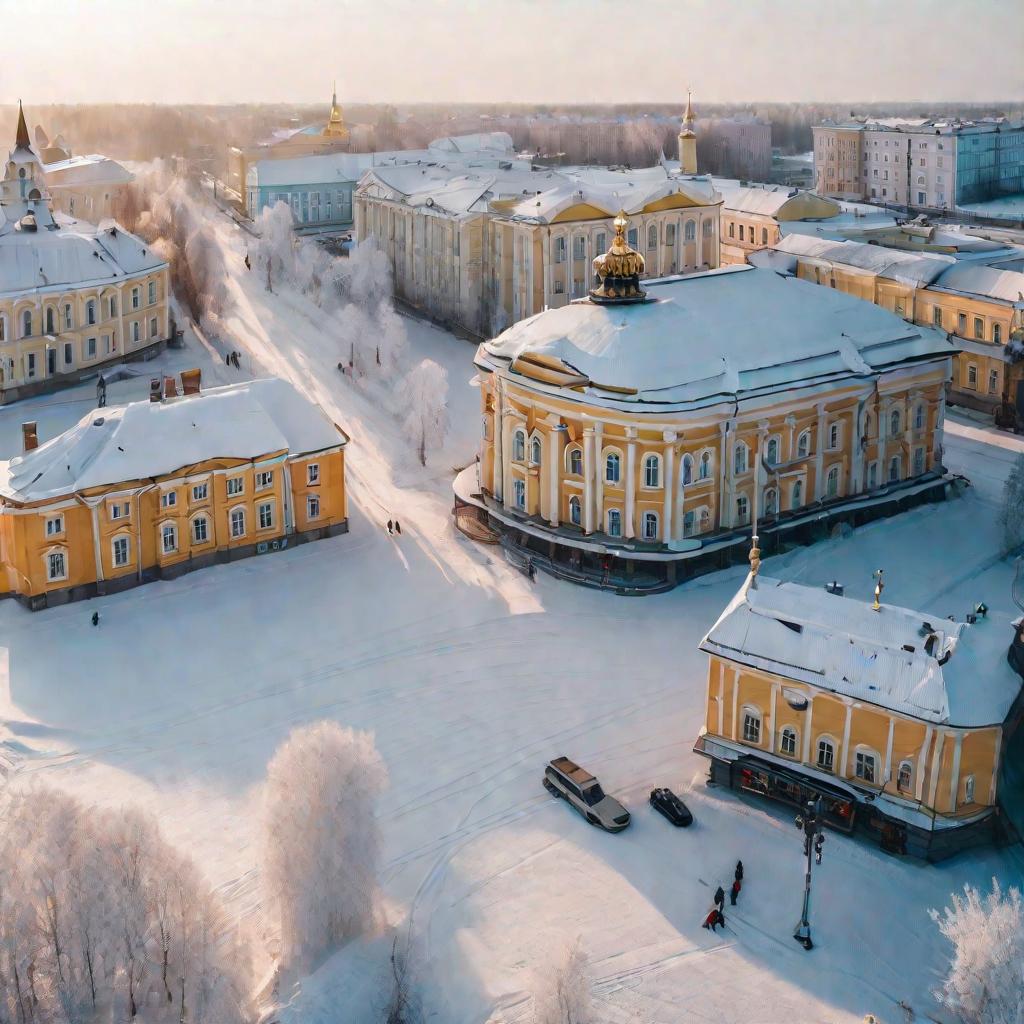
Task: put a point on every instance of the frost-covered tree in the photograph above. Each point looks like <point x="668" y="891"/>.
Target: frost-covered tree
<point x="564" y="995"/>
<point x="1011" y="514"/>
<point x="985" y="983"/>
<point x="423" y="399"/>
<point x="98" y="913"/>
<point x="275" y="248"/>
<point x="321" y="844"/>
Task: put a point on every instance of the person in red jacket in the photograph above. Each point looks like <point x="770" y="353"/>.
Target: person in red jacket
<point x="715" y="917"/>
<point x="735" y="891"/>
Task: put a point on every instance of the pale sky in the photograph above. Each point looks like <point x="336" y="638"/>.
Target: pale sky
<point x="535" y="51"/>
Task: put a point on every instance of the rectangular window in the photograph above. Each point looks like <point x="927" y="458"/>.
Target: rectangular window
<point x="937" y="316"/>
<point x="559" y="250"/>
<point x="136" y="297"/>
<point x="313" y="473"/>
<point x="152" y="292"/>
<point x="112" y="306"/>
<point x="979" y="328"/>
<point x="56" y="567"/>
<point x="169" y="499"/>
<point x="115" y="510"/>
<point x="864" y="767"/>
<point x="153" y="329"/>
<point x="170" y="538"/>
<point x="238" y="523"/>
<point x="751" y="727"/>
<point x="264" y="479"/>
<point x="199" y="530"/>
<point x="236" y="485"/>
<point x="670" y="234"/>
<point x="993" y="382"/>
<point x="579" y="248"/>
<point x="54" y="526"/>
<point x="136" y="331"/>
<point x="200" y="491"/>
<point x="961" y="325"/>
<point x="120" y="551"/>
<point x="69" y="353"/>
<point x="106" y="344"/>
<point x="90" y="348"/>
<point x="266" y="511"/>
<point x="68" y="321"/>
<point x="313" y="506"/>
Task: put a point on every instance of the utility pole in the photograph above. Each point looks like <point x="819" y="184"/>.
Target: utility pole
<point x="814" y="839"/>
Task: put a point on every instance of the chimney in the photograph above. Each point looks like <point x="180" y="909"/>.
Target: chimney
<point x="835" y="588"/>
<point x="170" y="387"/>
<point x="29" y="436"/>
<point x="190" y="381"/>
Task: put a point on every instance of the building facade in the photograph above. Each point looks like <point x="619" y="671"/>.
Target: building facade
<point x="736" y="147"/>
<point x="628" y="444"/>
<point x="927" y="164"/>
<point x="73" y="298"/>
<point x="154" y="489"/>
<point x="895" y="719"/>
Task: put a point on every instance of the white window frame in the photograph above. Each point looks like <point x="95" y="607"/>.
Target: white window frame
<point x="122" y="541"/>
<point x="56" y="577"/>
<point x="752" y="723"/>
<point x="613" y="459"/>
<point x="169" y="499"/>
<point x="831" y="743"/>
<point x="55" y="526"/>
<point x="863" y="757"/>
<point x="536" y="450"/>
<point x="519" y="445"/>
<point x="803" y="445"/>
<point x="196" y="520"/>
<point x="268" y="507"/>
<point x="573" y="455"/>
<point x="649" y="525"/>
<point x="201" y="491"/>
<point x="172" y="529"/>
<point x="313" y="473"/>
<point x="905" y="767"/>
<point x="575" y="511"/>
<point x="312" y="506"/>
<point x="235" y="486"/>
<point x="617" y="514"/>
<point x="740" y="458"/>
<point x="264" y="479"/>
<point x="789" y="732"/>
<point x="519" y="494"/>
<point x="233" y="527"/>
<point x="652" y="470"/>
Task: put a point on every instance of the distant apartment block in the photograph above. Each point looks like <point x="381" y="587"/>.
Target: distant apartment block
<point x="935" y="164"/>
<point x="739" y="147"/>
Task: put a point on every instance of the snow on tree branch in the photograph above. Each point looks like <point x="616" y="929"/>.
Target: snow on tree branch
<point x="321" y="843"/>
<point x="985" y="982"/>
<point x="423" y="395"/>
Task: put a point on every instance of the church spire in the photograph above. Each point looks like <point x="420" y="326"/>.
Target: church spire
<point x="21" y="140"/>
<point x="688" y="140"/>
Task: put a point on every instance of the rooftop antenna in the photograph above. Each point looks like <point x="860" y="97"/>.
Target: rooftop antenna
<point x="879" y="587"/>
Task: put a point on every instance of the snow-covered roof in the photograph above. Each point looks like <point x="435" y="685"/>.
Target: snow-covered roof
<point x="844" y="646"/>
<point x="894" y="264"/>
<point x="117" y="444"/>
<point x="93" y="169"/>
<point x="726" y="333"/>
<point x="769" y="200"/>
<point x="66" y="253"/>
<point x="990" y="282"/>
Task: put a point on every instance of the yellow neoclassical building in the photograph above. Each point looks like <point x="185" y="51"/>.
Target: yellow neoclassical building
<point x="154" y="489"/>
<point x="73" y="298"/>
<point x="896" y="719"/>
<point x="621" y="433"/>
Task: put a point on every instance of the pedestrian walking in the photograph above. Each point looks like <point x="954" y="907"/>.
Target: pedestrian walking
<point x="735" y="891"/>
<point x="95" y="618"/>
<point x="398" y="528"/>
<point x="712" y="919"/>
<point x="531" y="569"/>
<point x="719" y="897"/>
<point x="720" y="920"/>
<point x="391" y="527"/>
<point x="739" y="871"/>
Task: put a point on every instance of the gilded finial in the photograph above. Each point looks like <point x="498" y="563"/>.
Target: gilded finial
<point x="754" y="556"/>
<point x="619" y="269"/>
<point x="879" y="587"/>
<point x="688" y="117"/>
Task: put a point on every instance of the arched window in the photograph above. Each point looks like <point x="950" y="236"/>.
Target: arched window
<point x="772" y="451"/>
<point x="771" y="502"/>
<point x="833" y="436"/>
<point x="614" y="522"/>
<point x="652" y="471"/>
<point x="832" y="482"/>
<point x="969" y="789"/>
<point x="797" y="498"/>
<point x="742" y="510"/>
<point x="50" y="321"/>
<point x="690" y="231"/>
<point x="894" y="469"/>
<point x="519" y="446"/>
<point x="652" y="237"/>
<point x="90" y="311"/>
<point x="788" y="741"/>
<point x="826" y="755"/>
<point x="575" y="511"/>
<point x="705" y="465"/>
<point x="751" y="725"/>
<point x="687" y="474"/>
<point x="905" y="777"/>
<point x="650" y="526"/>
<point x="535" y="451"/>
<point x="705" y="520"/>
<point x="919" y="417"/>
<point x="894" y="422"/>
<point x="69" y="320"/>
<point x="739" y="458"/>
<point x="612" y="467"/>
<point x="26" y="323"/>
<point x="865" y="766"/>
<point x="997" y="334"/>
<point x="519" y="493"/>
<point x="918" y="461"/>
<point x="803" y="445"/>
<point x="575" y="458"/>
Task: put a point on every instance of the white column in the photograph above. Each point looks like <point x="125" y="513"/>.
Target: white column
<point x="771" y="718"/>
<point x="725" y="477"/>
<point x="498" y="428"/>
<point x="556" y="437"/>
<point x="807" y="729"/>
<point x="588" y="480"/>
<point x="922" y="761"/>
<point x="819" y="454"/>
<point x="548" y="271"/>
<point x="669" y="458"/>
<point x="598" y="473"/>
<point x="933" y="785"/>
<point x="888" y="752"/>
<point x="735" y="700"/>
<point x="954" y="779"/>
<point x="630" y="481"/>
<point x="843" y="766"/>
<point x="721" y="698"/>
<point x="940" y="420"/>
<point x="856" y="451"/>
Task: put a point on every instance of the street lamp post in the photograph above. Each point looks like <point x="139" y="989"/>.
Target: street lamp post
<point x="814" y="839"/>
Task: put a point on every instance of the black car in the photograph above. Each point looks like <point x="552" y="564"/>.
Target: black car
<point x="667" y="803"/>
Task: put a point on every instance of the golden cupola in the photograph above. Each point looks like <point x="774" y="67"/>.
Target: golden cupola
<point x="336" y="127"/>
<point x="619" y="269"/>
<point x="688" y="140"/>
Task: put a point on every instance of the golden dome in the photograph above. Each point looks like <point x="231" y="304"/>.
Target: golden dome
<point x="619" y="268"/>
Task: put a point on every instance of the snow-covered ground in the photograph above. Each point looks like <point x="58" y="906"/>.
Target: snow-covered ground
<point x="1008" y="207"/>
<point x="471" y="678"/>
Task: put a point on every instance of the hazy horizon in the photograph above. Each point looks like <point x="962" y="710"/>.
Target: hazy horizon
<point x="521" y="51"/>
